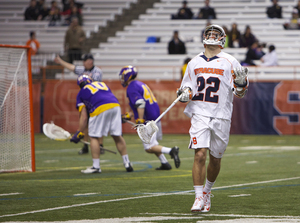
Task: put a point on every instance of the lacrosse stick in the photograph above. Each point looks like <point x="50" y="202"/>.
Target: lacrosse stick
<point x="130" y="122"/>
<point x="146" y="132"/>
<point x="57" y="133"/>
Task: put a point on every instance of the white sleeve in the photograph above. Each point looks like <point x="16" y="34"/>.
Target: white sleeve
<point x="79" y="70"/>
<point x="188" y="80"/>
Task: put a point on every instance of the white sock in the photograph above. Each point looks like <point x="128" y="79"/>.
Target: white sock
<point x="162" y="158"/>
<point x="208" y="186"/>
<point x="166" y="150"/>
<point x="198" y="191"/>
<point x="125" y="159"/>
<point x="96" y="163"/>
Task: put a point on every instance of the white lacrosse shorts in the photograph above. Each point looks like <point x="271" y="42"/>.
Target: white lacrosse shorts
<point x="156" y="136"/>
<point x="211" y="133"/>
<point x="108" y="121"/>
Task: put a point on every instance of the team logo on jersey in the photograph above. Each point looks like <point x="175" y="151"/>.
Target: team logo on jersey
<point x="209" y="70"/>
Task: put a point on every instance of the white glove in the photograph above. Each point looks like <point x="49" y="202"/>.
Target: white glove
<point x="240" y="76"/>
<point x="186" y="94"/>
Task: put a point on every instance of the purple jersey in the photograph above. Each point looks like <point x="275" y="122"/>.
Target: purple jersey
<point x="97" y="98"/>
<point x="138" y="90"/>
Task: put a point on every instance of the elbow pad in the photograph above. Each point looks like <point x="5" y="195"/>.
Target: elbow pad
<point x="140" y="103"/>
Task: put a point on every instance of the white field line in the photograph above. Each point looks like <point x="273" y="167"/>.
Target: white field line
<point x="139" y="197"/>
<point x="11" y="194"/>
<point x="225" y="215"/>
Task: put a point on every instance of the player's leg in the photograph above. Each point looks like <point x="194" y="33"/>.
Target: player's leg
<point x="219" y="141"/>
<point x="200" y="140"/>
<point x="121" y="147"/>
<point x="95" y="150"/>
<point x="115" y="129"/>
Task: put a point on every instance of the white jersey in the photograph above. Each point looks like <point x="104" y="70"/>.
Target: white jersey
<point x="212" y="85"/>
<point x="95" y="73"/>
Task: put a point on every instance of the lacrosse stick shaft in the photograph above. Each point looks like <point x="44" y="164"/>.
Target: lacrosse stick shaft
<point x="130" y="122"/>
<point x="162" y="114"/>
<point x="85" y="142"/>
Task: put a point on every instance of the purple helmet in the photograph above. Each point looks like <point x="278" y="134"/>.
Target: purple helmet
<point x="127" y="74"/>
<point x="83" y="80"/>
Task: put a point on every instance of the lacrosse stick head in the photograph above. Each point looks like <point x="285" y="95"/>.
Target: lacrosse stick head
<point x="146" y="132"/>
<point x="55" y="132"/>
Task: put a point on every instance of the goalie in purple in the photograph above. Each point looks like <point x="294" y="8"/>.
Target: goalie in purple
<point x="145" y="108"/>
<point x="97" y="100"/>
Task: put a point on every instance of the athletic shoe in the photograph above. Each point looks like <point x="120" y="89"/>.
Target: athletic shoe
<point x="84" y="150"/>
<point x="174" y="155"/>
<point x="164" y="166"/>
<point x="128" y="167"/>
<point x="91" y="170"/>
<point x="206" y="198"/>
<point x="198" y="205"/>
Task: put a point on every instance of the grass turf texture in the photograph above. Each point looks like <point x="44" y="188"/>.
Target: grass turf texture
<point x="58" y="182"/>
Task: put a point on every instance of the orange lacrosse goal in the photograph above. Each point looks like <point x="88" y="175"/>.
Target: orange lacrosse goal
<point x="16" y="110"/>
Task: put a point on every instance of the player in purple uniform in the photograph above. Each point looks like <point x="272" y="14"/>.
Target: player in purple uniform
<point x="97" y="100"/>
<point x="145" y="108"/>
<point x="92" y="71"/>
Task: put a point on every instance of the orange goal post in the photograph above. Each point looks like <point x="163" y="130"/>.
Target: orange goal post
<point x="16" y="110"/>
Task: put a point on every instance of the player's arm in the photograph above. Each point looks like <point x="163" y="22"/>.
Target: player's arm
<point x="83" y="119"/>
<point x="185" y="89"/>
<point x="140" y="105"/>
<point x="65" y="64"/>
<point x="240" y="81"/>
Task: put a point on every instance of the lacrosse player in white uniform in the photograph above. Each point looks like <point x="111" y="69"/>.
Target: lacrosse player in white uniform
<point x="92" y="71"/>
<point x="213" y="78"/>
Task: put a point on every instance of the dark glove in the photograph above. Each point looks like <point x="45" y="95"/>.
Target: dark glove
<point x="125" y="117"/>
<point x="77" y="137"/>
<point x="140" y="121"/>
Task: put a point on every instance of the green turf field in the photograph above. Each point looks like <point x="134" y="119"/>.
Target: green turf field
<point x="259" y="178"/>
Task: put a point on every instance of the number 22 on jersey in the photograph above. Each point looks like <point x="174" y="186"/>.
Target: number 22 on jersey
<point x="207" y="89"/>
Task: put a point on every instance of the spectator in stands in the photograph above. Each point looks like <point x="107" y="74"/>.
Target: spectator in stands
<point x="43" y="10"/>
<point x="184" y="66"/>
<point x="74" y="39"/>
<point x="233" y="36"/>
<point x="33" y="43"/>
<point x="176" y="46"/>
<point x="184" y="12"/>
<point x="298" y="8"/>
<point x="206" y="12"/>
<point x="55" y="18"/>
<point x="254" y="53"/>
<point x="67" y="4"/>
<point x="73" y="12"/>
<point x="226" y="32"/>
<point x="54" y="7"/>
<point x="270" y="58"/>
<point x="248" y="38"/>
<point x="31" y="12"/>
<point x="294" y="23"/>
<point x="274" y="11"/>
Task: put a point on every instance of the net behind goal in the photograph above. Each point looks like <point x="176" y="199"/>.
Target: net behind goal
<point x="16" y="128"/>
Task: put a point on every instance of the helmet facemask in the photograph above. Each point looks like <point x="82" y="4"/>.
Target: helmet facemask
<point x="214" y="35"/>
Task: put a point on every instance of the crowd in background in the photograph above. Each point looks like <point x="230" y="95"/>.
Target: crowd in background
<point x="38" y="10"/>
<point x="237" y="39"/>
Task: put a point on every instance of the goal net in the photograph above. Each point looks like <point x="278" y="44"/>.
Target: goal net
<point x="16" y="128"/>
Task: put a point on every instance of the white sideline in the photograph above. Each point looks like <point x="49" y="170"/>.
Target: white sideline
<point x="146" y="196"/>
